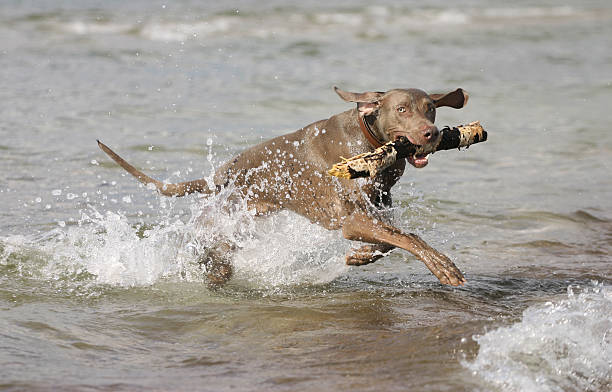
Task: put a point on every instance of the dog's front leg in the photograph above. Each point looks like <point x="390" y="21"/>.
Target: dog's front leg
<point x="362" y="227"/>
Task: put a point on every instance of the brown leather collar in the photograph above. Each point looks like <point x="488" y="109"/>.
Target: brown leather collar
<point x="367" y="132"/>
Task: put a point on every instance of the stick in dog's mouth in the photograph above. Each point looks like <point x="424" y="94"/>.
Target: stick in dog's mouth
<point x="371" y="163"/>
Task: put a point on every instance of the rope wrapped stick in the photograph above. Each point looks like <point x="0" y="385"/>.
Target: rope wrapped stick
<point x="371" y="163"/>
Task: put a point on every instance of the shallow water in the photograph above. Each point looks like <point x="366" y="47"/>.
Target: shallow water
<point x="99" y="287"/>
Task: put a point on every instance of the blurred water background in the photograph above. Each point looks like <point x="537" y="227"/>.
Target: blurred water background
<point x="99" y="289"/>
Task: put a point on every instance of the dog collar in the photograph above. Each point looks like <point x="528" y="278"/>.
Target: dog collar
<point x="367" y="132"/>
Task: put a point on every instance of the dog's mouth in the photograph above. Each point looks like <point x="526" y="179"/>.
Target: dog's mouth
<point x="420" y="158"/>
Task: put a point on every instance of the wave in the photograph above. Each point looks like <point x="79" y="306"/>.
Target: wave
<point x="366" y="21"/>
<point x="565" y="345"/>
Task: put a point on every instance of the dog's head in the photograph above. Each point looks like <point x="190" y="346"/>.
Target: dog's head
<point x="410" y="113"/>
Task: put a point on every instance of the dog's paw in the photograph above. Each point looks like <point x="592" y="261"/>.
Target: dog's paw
<point x="367" y="254"/>
<point x="444" y="269"/>
<point x="356" y="259"/>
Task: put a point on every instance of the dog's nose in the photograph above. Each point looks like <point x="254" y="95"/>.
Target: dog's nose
<point x="430" y="132"/>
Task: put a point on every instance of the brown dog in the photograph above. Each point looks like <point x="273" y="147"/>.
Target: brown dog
<point x="290" y="171"/>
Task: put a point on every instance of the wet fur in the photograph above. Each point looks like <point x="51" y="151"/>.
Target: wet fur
<point x="290" y="171"/>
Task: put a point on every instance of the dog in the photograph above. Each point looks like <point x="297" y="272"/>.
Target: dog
<point x="290" y="171"/>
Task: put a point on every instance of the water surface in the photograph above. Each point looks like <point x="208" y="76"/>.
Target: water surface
<point x="99" y="288"/>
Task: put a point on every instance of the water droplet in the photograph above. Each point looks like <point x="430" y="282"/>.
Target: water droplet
<point x="61" y="224"/>
<point x="56" y="192"/>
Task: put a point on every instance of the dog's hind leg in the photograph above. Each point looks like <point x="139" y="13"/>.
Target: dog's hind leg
<point x="217" y="263"/>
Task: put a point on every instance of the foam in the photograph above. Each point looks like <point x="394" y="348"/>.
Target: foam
<point x="565" y="345"/>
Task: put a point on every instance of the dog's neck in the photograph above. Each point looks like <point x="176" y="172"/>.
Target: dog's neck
<point x="367" y="131"/>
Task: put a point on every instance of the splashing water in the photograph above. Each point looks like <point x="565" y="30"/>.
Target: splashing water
<point x="560" y="346"/>
<point x="105" y="248"/>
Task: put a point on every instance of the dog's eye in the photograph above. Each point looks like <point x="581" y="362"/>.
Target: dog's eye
<point x="430" y="109"/>
<point x="401" y="109"/>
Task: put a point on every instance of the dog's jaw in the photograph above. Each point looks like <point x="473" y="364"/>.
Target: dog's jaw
<point x="420" y="158"/>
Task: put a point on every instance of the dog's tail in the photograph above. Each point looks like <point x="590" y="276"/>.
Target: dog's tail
<point x="180" y="189"/>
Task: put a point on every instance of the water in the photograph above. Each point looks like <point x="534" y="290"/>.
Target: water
<point x="99" y="287"/>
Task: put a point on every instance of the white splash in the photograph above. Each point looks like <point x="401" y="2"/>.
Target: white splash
<point x="564" y="345"/>
<point x="287" y="249"/>
<point x="278" y="250"/>
<point x="108" y="249"/>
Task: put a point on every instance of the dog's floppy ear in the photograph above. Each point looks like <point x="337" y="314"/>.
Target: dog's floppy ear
<point x="455" y="99"/>
<point x="367" y="102"/>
